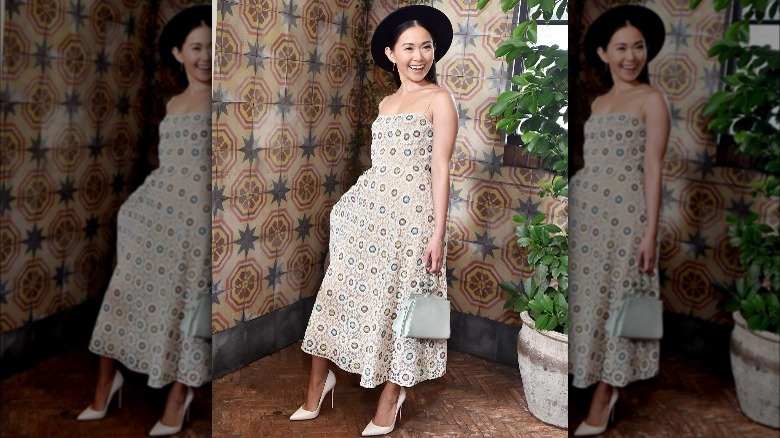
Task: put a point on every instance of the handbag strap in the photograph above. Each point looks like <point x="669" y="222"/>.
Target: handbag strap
<point x="429" y="290"/>
<point x="644" y="284"/>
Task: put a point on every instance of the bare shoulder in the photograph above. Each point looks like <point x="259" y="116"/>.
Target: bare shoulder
<point x="442" y="101"/>
<point x="172" y="103"/>
<point x="381" y="103"/>
<point x="185" y="103"/>
<point x="597" y="102"/>
<point x="654" y="102"/>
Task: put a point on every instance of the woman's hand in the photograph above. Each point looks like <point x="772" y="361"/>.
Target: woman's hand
<point x="433" y="259"/>
<point x="645" y="255"/>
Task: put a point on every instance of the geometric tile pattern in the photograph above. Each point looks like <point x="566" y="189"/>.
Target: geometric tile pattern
<point x="286" y="116"/>
<point x="282" y="126"/>
<point x="697" y="195"/>
<point x="78" y="123"/>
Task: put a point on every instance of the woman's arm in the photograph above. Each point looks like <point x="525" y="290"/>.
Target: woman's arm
<point x="656" y="117"/>
<point x="445" y="129"/>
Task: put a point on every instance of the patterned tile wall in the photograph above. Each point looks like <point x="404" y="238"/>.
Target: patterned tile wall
<point x="282" y="122"/>
<point x="697" y="195"/>
<point x="74" y="118"/>
<point x="289" y="103"/>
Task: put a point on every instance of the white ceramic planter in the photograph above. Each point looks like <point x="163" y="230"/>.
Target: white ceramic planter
<point x="755" y="363"/>
<point x="543" y="360"/>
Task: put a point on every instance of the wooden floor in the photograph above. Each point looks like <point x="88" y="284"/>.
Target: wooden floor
<point x="475" y="398"/>
<point x="45" y="400"/>
<point x="689" y="398"/>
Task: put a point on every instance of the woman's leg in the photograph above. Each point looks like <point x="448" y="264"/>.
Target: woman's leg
<point x="386" y="408"/>
<point x="106" y="371"/>
<point x="319" y="372"/>
<point x="174" y="405"/>
<point x="598" y="414"/>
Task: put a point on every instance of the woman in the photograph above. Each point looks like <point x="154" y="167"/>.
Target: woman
<point x="615" y="202"/>
<point x="163" y="245"/>
<point x="388" y="231"/>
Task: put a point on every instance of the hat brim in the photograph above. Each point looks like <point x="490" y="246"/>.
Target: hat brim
<point x="433" y="19"/>
<point x="644" y="19"/>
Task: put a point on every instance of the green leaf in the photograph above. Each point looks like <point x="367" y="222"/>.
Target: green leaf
<point x="716" y="101"/>
<point x="560" y="301"/>
<point x="547" y="5"/>
<point x="535" y="306"/>
<point x="543" y="322"/>
<point x="561" y="9"/>
<point x="504" y="100"/>
<point x="529" y="137"/>
<point x="546" y="302"/>
<point x="520" y="29"/>
<point x="503" y="50"/>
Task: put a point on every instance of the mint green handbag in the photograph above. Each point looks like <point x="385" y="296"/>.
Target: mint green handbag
<point x="424" y="315"/>
<point x="196" y="322"/>
<point x="637" y="317"/>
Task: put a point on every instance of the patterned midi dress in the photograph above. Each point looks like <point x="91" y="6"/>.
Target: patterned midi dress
<point x="607" y="221"/>
<point x="379" y="230"/>
<point x="163" y="262"/>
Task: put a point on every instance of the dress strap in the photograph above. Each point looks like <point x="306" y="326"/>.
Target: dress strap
<point x="431" y="100"/>
<point x="379" y="107"/>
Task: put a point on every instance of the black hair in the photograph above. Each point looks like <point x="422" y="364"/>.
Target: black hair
<point x="431" y="76"/>
<point x="603" y="41"/>
<point x="175" y="33"/>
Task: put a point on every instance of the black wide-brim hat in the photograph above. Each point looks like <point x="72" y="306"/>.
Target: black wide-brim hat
<point x="647" y="21"/>
<point x="431" y="18"/>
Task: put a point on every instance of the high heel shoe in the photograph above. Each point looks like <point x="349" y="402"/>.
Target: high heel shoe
<point x="586" y="429"/>
<point x="374" y="430"/>
<point x="303" y="414"/>
<point x="160" y="429"/>
<point x="116" y="386"/>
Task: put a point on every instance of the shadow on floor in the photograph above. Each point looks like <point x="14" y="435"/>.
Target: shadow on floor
<point x="45" y="400"/>
<point x="475" y="398"/>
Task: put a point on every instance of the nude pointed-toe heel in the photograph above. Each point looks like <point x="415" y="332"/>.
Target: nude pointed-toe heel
<point x="303" y="414"/>
<point x="374" y="430"/>
<point x="90" y="414"/>
<point x="586" y="429"/>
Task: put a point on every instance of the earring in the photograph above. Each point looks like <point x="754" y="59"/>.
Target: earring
<point x="606" y="67"/>
<point x="181" y="66"/>
<point x="393" y="66"/>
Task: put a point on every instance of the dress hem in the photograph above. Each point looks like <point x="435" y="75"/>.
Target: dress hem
<point x="149" y="382"/>
<point x="361" y="382"/>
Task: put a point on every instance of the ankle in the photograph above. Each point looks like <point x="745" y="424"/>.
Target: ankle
<point x="317" y="381"/>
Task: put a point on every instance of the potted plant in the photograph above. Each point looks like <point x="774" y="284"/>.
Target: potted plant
<point x="537" y="106"/>
<point x="747" y="111"/>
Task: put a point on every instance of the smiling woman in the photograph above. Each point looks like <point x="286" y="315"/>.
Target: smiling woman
<point x="388" y="231"/>
<point x="620" y="182"/>
<point x="163" y="246"/>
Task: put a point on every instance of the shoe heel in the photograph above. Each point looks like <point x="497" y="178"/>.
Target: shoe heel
<point x="120" y="398"/>
<point x="332" y="395"/>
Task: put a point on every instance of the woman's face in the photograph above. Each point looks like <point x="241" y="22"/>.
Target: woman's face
<point x="626" y="54"/>
<point x="412" y="54"/>
<point x="195" y="55"/>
